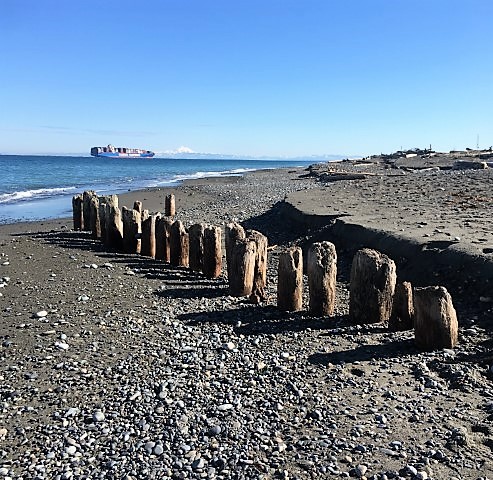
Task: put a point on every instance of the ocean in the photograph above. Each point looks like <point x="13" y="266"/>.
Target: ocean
<point x="41" y="187"/>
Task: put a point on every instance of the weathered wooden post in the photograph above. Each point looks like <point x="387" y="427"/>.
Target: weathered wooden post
<point x="86" y="208"/>
<point x="138" y="206"/>
<point x="103" y="212"/>
<point x="196" y="237"/>
<point x="241" y="267"/>
<point x="213" y="256"/>
<point x="114" y="224"/>
<point x="77" y="212"/>
<point x="148" y="246"/>
<point x="169" y="205"/>
<point x="95" y="223"/>
<point x="179" y="245"/>
<point x="131" y="230"/>
<point x="233" y="232"/>
<point x="163" y="227"/>
<point x="260" y="269"/>
<point x="321" y="268"/>
<point x="290" y="280"/>
<point x="402" y="314"/>
<point x="372" y="285"/>
<point x="435" y="319"/>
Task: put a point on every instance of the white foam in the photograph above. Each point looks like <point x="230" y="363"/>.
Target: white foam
<point x="33" y="194"/>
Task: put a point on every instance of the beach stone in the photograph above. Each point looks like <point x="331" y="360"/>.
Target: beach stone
<point x="98" y="416"/>
<point x="402" y="314"/>
<point x="41" y="314"/>
<point x="260" y="268"/>
<point x="372" y="284"/>
<point x="179" y="245"/>
<point x="213" y="256"/>
<point x="321" y="266"/>
<point x="196" y="239"/>
<point x="435" y="319"/>
<point x="290" y="280"/>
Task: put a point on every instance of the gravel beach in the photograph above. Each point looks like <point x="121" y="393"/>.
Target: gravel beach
<point x="118" y="366"/>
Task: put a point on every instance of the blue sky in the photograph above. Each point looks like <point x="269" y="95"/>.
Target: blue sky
<point x="256" y="77"/>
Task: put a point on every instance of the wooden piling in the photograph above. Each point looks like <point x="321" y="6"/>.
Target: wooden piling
<point x="169" y="205"/>
<point x="435" y="319"/>
<point x="131" y="230"/>
<point x="233" y="232"/>
<point x="322" y="272"/>
<point x="260" y="270"/>
<point x="372" y="285"/>
<point x="114" y="224"/>
<point x="290" y="280"/>
<point x="163" y="227"/>
<point x="241" y="267"/>
<point x="148" y="245"/>
<point x="86" y="209"/>
<point x="77" y="212"/>
<point x="212" y="259"/>
<point x="196" y="238"/>
<point x="94" y="217"/>
<point x="179" y="245"/>
<point x="402" y="316"/>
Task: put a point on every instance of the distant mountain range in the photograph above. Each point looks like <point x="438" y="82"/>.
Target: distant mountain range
<point x="221" y="156"/>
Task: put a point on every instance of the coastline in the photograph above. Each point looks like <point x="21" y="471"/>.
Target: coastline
<point x="148" y="358"/>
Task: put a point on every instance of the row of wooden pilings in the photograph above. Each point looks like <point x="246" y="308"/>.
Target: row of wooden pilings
<point x="375" y="295"/>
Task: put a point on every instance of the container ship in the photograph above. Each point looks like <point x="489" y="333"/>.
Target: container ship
<point x="123" y="152"/>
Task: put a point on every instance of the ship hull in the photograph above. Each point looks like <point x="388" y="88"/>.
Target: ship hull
<point x="123" y="155"/>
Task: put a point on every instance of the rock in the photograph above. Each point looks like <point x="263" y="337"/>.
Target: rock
<point x="41" y="314"/>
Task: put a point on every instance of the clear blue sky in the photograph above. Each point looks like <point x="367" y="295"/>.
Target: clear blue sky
<point x="245" y="77"/>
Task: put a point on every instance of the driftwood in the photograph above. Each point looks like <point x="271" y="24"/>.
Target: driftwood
<point x="322" y="271"/>
<point x="138" y="206"/>
<point x="290" y="280"/>
<point x="212" y="260"/>
<point x="179" y="245"/>
<point x="435" y="319"/>
<point x="372" y="285"/>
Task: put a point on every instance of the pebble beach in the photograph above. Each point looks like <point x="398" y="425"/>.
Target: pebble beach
<point x="118" y="366"/>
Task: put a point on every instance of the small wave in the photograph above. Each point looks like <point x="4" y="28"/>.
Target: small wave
<point x="34" y="194"/>
<point x="192" y="176"/>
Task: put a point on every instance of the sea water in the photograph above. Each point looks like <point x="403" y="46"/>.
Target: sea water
<point x="41" y="187"/>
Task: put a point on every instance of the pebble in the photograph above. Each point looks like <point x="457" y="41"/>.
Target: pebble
<point x="41" y="314"/>
<point x="98" y="416"/>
